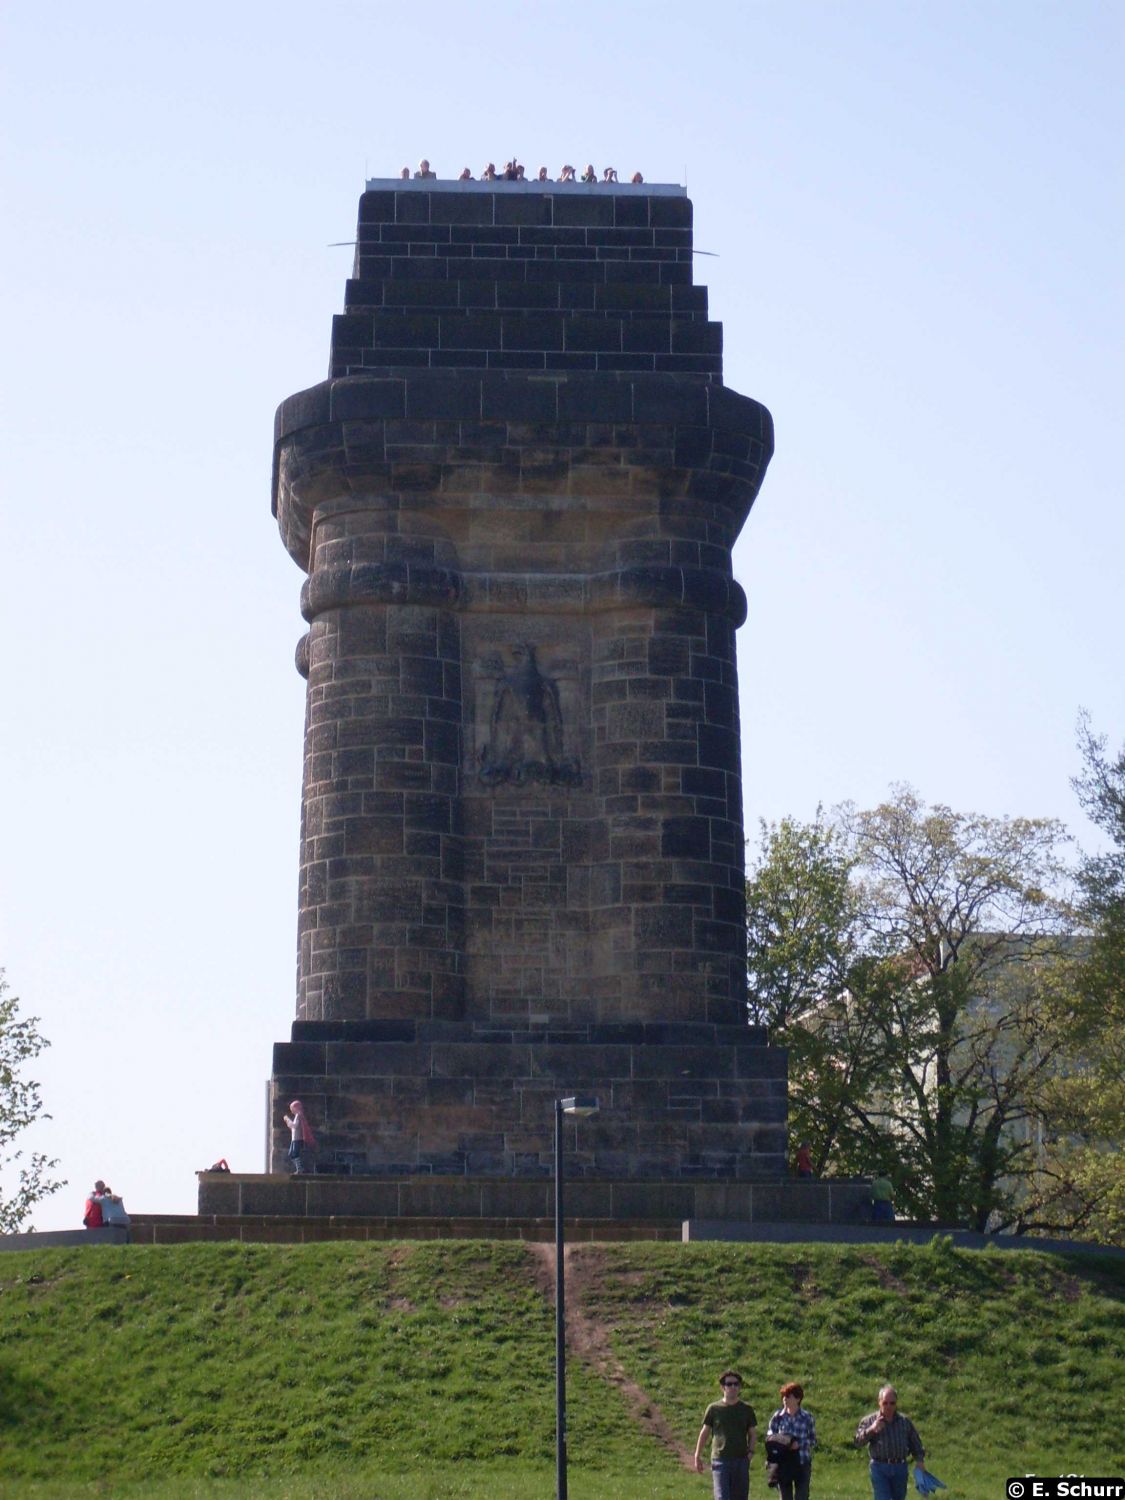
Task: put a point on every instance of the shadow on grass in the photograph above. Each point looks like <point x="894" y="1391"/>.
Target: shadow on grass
<point x="24" y="1400"/>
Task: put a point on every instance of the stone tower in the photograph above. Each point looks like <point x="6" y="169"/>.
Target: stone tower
<point x="515" y="499"/>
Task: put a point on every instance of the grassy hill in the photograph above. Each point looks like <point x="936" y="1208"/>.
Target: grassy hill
<point x="426" y="1369"/>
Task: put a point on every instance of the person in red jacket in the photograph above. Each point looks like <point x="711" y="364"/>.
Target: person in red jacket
<point x="92" y="1218"/>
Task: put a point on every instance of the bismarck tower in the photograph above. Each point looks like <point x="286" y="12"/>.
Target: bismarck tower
<point x="515" y="498"/>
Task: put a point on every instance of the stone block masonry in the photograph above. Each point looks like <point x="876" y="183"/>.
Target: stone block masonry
<point x="515" y="498"/>
<point x="683" y="1102"/>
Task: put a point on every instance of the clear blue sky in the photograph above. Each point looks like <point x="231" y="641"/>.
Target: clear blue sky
<point x="915" y="213"/>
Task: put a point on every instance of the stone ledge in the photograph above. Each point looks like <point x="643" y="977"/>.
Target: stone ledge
<point x="169" y="1229"/>
<point x="54" y="1239"/>
<point x="567" y="1064"/>
<point x="599" y="1033"/>
<point x="462" y="438"/>
<point x="317" y="1196"/>
<point x="668" y="300"/>
<point x="698" y="1230"/>
<point x="544" y="396"/>
<point x="402" y="584"/>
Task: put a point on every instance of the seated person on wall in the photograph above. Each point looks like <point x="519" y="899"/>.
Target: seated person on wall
<point x="113" y="1211"/>
<point x="92" y="1212"/>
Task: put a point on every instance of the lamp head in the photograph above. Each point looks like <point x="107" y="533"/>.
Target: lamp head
<point x="579" y="1105"/>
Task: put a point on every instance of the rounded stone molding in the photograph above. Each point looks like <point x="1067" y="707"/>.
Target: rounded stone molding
<point x="378" y="583"/>
<point x="301" y="655"/>
<point x="435" y="436"/>
<point x="705" y="589"/>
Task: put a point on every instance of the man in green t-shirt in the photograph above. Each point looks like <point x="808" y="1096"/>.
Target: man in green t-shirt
<point x="733" y="1429"/>
<point x="882" y="1200"/>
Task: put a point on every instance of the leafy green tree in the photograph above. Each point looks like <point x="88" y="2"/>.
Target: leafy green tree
<point x="1084" y="1174"/>
<point x="20" y="1106"/>
<point x="966" y="914"/>
<point x="1101" y="791"/>
<point x="802" y="920"/>
<point x="911" y="958"/>
<point x="803" y="948"/>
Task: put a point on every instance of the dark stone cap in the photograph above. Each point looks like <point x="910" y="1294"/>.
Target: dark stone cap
<point x="525" y="276"/>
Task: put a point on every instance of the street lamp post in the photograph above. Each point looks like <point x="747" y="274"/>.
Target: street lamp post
<point x="578" y="1105"/>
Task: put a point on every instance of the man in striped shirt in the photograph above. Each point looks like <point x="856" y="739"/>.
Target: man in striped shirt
<point x="892" y="1438"/>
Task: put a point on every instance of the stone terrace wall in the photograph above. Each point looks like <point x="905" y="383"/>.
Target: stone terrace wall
<point x="677" y="1101"/>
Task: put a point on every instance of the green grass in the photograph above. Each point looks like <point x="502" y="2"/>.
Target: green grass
<point x="425" y="1371"/>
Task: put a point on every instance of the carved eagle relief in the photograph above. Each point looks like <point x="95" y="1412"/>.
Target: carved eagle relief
<point x="525" y="730"/>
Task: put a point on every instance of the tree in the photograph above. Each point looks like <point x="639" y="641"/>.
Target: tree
<point x="801" y="920"/>
<point x="941" y="1003"/>
<point x="1101" y="791"/>
<point x="1085" y="1106"/>
<point x="966" y="910"/>
<point x="20" y="1106"/>
<point x="803" y="949"/>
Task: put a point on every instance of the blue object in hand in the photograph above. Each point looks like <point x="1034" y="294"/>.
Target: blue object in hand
<point x="925" y="1482"/>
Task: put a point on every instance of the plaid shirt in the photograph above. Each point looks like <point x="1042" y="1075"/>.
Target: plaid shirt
<point x="898" y="1439"/>
<point x="801" y="1425"/>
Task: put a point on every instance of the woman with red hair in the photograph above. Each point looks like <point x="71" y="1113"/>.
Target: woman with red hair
<point x="792" y="1429"/>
